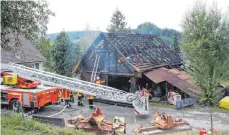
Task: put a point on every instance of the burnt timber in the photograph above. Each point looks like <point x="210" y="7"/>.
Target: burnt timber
<point x="125" y="57"/>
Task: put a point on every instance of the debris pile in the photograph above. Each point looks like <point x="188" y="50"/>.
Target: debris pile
<point x="163" y="123"/>
<point x="96" y="122"/>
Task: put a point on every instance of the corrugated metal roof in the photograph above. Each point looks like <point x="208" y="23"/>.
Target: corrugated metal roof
<point x="177" y="78"/>
<point x="157" y="75"/>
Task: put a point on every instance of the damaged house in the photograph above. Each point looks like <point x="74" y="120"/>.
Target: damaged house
<point x="132" y="61"/>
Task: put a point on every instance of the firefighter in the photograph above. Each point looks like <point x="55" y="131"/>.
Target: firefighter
<point x="59" y="97"/>
<point x="71" y="97"/>
<point x="99" y="81"/>
<point x="66" y="97"/>
<point x="80" y="98"/>
<point x="90" y="101"/>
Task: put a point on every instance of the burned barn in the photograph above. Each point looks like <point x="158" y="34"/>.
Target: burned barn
<point x="124" y="61"/>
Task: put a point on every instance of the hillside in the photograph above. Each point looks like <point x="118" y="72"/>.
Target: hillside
<point x="145" y="28"/>
<point x="150" y="28"/>
<point x="73" y="35"/>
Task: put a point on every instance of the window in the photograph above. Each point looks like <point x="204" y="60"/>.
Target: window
<point x="36" y="65"/>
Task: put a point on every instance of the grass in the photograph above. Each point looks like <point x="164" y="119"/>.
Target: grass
<point x="225" y="133"/>
<point x="14" y="125"/>
<point x="218" y="109"/>
<point x="166" y="105"/>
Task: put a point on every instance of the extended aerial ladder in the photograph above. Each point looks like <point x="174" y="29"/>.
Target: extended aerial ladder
<point x="100" y="91"/>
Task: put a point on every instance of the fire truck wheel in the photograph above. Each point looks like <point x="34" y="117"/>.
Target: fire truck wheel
<point x="15" y="105"/>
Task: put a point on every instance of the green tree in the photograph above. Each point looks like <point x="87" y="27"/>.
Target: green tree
<point x="60" y="54"/>
<point x="29" y="18"/>
<point x="118" y="23"/>
<point x="74" y="55"/>
<point x="65" y="55"/>
<point x="45" y="47"/>
<point x="175" y="44"/>
<point x="205" y="40"/>
<point x="148" y="28"/>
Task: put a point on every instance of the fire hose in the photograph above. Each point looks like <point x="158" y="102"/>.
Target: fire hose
<point x="58" y="112"/>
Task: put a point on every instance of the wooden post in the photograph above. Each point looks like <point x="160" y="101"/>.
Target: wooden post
<point x="211" y="123"/>
<point x="116" y="62"/>
<point x="105" y="77"/>
<point x="133" y="84"/>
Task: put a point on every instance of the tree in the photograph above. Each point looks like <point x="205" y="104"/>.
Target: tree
<point x="118" y="23"/>
<point x="23" y="17"/>
<point x="74" y="55"/>
<point x="65" y="55"/>
<point x="148" y="28"/>
<point x="60" y="54"/>
<point x="205" y="40"/>
<point x="45" y="47"/>
<point x="175" y="44"/>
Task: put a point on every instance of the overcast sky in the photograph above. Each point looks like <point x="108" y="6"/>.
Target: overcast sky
<point x="75" y="14"/>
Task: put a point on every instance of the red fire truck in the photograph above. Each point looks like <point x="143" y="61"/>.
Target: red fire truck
<point x="32" y="98"/>
<point x="17" y="91"/>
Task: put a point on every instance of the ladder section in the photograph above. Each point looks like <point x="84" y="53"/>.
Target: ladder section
<point x="95" y="68"/>
<point x="55" y="80"/>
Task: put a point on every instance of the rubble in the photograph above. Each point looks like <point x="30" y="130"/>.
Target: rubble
<point x="97" y="123"/>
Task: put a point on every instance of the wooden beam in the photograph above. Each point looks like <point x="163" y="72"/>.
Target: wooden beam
<point x="133" y="82"/>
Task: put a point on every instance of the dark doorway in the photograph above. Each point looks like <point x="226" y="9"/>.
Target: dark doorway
<point x="118" y="82"/>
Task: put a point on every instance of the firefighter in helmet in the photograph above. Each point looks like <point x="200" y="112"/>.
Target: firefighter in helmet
<point x="80" y="98"/>
<point x="99" y="81"/>
<point x="90" y="101"/>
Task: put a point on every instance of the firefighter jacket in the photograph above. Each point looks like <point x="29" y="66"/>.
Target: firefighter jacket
<point x="100" y="82"/>
<point x="89" y="96"/>
<point x="79" y="94"/>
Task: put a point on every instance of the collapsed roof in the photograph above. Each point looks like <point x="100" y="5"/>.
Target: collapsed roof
<point x="124" y="53"/>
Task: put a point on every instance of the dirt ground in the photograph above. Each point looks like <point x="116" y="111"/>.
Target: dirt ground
<point x="197" y="118"/>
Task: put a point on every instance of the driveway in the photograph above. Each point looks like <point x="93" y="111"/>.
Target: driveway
<point x="197" y="118"/>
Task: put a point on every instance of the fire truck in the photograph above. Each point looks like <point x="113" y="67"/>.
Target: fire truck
<point x="17" y="91"/>
<point x="101" y="92"/>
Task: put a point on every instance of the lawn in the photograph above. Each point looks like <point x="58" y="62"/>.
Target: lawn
<point x="14" y="125"/>
<point x="166" y="105"/>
